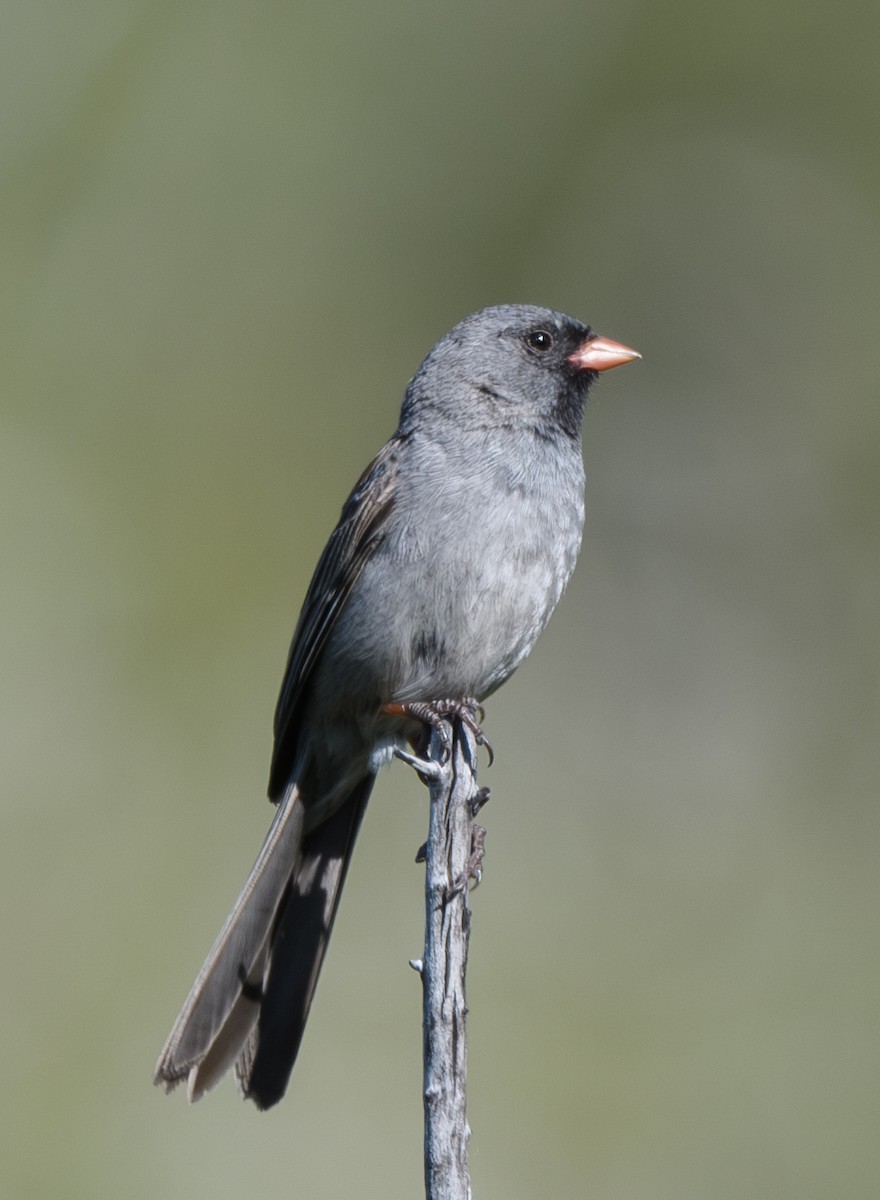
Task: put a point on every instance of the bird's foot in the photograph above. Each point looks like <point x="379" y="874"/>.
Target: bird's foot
<point x="436" y="713"/>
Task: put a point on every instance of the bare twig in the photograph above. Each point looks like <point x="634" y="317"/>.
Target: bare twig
<point x="452" y="855"/>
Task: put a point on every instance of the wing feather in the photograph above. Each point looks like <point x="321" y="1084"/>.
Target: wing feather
<point x="361" y="526"/>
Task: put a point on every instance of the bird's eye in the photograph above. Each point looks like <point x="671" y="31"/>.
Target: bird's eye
<point x="540" y="340"/>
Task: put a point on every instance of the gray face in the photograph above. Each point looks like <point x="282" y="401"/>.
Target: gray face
<point x="511" y="362"/>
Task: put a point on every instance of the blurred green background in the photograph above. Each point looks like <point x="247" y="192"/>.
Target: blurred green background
<point x="229" y="234"/>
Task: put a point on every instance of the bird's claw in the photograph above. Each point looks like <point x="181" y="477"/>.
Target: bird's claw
<point x="435" y="714"/>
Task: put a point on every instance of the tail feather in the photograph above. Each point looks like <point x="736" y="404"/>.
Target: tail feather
<point x="219" y="1011"/>
<point x="299" y="942"/>
<point x="237" y="1031"/>
<point x="249" y="1004"/>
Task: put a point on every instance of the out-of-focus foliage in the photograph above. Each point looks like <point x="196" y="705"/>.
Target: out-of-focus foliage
<point x="229" y="232"/>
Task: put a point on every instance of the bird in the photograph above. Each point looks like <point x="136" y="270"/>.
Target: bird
<point x="447" y="561"/>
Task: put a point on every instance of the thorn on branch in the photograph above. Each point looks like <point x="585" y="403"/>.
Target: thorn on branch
<point x="428" y="770"/>
<point x="479" y="799"/>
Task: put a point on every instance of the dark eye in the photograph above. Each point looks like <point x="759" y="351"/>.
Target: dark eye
<point x="540" y="340"/>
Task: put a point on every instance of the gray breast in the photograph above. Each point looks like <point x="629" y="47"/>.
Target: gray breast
<point x="470" y="571"/>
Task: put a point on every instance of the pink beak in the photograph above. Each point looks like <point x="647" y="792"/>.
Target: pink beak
<point x="599" y="353"/>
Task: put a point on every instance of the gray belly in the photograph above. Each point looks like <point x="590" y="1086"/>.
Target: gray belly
<point x="452" y="610"/>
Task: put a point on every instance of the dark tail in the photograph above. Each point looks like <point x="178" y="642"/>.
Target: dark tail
<point x="298" y="944"/>
<point x="251" y="999"/>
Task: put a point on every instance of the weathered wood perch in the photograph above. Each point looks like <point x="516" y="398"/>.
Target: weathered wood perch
<point x="452" y="855"/>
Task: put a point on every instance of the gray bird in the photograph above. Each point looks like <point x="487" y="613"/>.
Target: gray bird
<point x="449" y="558"/>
